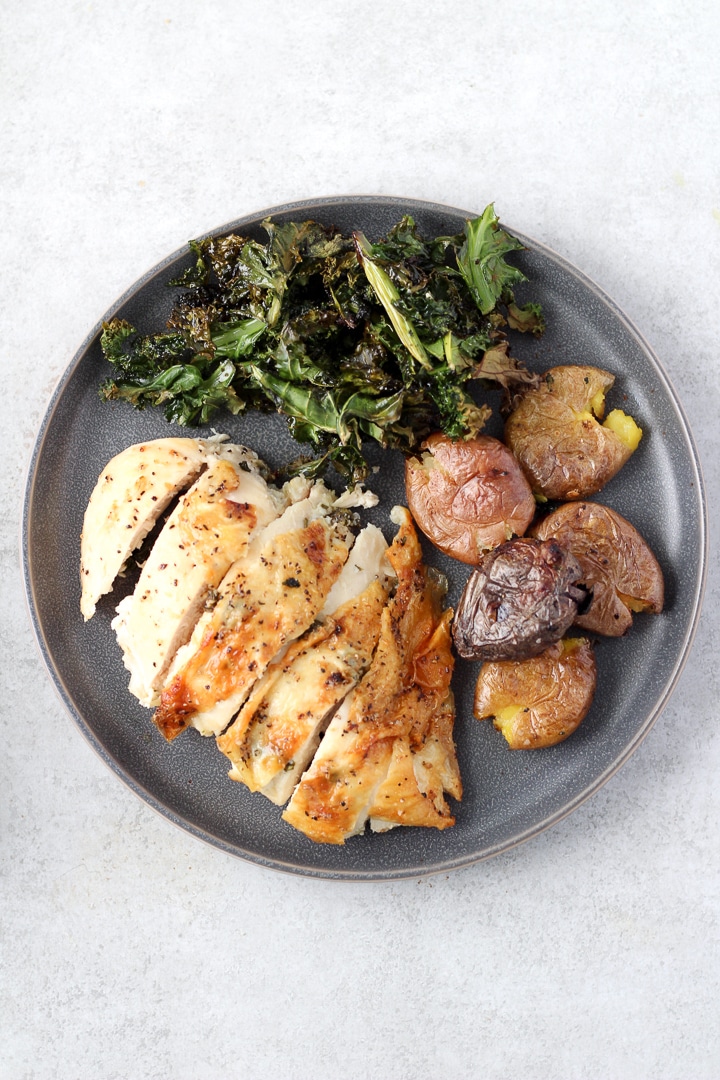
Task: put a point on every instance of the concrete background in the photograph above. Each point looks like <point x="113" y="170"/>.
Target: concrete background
<point x="129" y="949"/>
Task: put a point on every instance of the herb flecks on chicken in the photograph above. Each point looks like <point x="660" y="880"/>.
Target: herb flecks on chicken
<point x="350" y="340"/>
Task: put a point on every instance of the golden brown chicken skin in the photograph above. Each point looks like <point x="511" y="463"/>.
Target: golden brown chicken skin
<point x="266" y="601"/>
<point x="402" y="705"/>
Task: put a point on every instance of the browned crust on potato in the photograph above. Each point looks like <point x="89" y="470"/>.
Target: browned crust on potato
<point x="552" y="694"/>
<point x="562" y="446"/>
<point x="616" y="563"/>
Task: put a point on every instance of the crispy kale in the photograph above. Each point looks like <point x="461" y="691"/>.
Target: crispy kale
<point x="348" y="339"/>
<point x="481" y="260"/>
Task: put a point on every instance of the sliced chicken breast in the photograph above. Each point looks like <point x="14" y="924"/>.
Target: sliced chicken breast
<point x="207" y="532"/>
<point x="333" y="799"/>
<point x="278" y="729"/>
<point x="424" y="763"/>
<point x="266" y="600"/>
<point x="134" y="488"/>
<point x="402" y="705"/>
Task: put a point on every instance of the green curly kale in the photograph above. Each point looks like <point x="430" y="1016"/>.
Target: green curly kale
<point x="348" y="339"/>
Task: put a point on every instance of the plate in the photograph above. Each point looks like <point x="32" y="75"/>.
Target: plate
<point x="509" y="796"/>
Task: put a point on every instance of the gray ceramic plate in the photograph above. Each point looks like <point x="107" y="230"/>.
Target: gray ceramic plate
<point x="509" y="796"/>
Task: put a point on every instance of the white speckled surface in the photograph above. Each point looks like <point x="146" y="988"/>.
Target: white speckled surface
<point x="129" y="949"/>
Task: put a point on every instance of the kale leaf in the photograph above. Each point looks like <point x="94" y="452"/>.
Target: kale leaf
<point x="481" y="260"/>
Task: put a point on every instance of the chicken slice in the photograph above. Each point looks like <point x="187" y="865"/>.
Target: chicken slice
<point x="132" y="491"/>
<point x="266" y="600"/>
<point x="424" y="763"/>
<point x="333" y="799"/>
<point x="401" y="707"/>
<point x="278" y="729"/>
<point x="207" y="532"/>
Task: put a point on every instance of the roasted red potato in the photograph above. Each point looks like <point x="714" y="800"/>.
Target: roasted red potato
<point x="520" y="599"/>
<point x="616" y="564"/>
<point x="540" y="701"/>
<point x="468" y="497"/>
<point x="558" y="435"/>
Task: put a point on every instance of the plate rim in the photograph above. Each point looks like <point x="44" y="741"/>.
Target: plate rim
<point x="348" y="873"/>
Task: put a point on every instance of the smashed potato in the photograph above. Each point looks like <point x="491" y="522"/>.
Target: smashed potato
<point x="468" y="496"/>
<point x="520" y="599"/>
<point x="558" y="435"/>
<point x="540" y="701"/>
<point x="616" y="563"/>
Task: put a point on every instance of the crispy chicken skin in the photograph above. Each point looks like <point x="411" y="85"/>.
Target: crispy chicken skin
<point x="266" y="600"/>
<point x="401" y="706"/>
<point x="133" y="490"/>
<point x="424" y="763"/>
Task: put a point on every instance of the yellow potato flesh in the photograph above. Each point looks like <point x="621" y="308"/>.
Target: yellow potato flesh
<point x="624" y="427"/>
<point x="597" y="404"/>
<point x="505" y="718"/>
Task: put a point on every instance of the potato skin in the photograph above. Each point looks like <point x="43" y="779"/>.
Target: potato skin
<point x="520" y="599"/>
<point x="546" y="697"/>
<point x="616" y="563"/>
<point x="468" y="497"/>
<point x="564" y="450"/>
